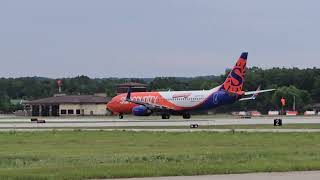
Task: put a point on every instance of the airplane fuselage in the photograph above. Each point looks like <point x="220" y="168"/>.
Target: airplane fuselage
<point x="177" y="101"/>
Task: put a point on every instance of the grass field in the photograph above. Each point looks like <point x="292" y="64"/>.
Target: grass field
<point x="86" y="155"/>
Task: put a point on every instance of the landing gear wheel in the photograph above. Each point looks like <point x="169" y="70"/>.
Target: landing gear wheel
<point x="186" y="116"/>
<point x="165" y="116"/>
<point x="120" y="116"/>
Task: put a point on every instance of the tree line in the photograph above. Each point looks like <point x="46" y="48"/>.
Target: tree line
<point x="301" y="84"/>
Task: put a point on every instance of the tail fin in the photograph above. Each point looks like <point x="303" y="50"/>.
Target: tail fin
<point x="235" y="79"/>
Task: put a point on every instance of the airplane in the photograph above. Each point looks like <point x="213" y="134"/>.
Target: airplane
<point x="184" y="102"/>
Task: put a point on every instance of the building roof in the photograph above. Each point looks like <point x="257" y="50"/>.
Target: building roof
<point x="132" y="84"/>
<point x="18" y="101"/>
<point x="74" y="99"/>
<point x="317" y="105"/>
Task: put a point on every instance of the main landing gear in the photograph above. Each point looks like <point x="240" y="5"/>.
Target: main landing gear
<point x="186" y="116"/>
<point x="120" y="116"/>
<point x="165" y="116"/>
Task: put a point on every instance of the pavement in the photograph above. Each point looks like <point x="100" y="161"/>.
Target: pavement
<point x="163" y="130"/>
<point x="98" y="123"/>
<point x="305" y="175"/>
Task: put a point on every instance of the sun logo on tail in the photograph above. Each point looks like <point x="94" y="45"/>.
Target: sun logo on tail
<point x="235" y="79"/>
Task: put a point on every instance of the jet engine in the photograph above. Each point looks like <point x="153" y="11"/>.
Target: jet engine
<point x="141" y="111"/>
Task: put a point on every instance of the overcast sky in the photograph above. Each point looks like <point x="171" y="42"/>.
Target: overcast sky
<point x="148" y="38"/>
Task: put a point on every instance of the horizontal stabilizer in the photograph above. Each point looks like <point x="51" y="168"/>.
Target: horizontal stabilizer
<point x="254" y="94"/>
<point x="248" y="98"/>
<point x="258" y="92"/>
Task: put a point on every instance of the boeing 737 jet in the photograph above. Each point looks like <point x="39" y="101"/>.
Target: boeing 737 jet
<point x="185" y="102"/>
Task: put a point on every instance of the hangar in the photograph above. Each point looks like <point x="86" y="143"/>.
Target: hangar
<point x="71" y="105"/>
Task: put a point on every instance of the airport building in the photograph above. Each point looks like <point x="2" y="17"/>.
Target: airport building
<point x="69" y="105"/>
<point x="76" y="105"/>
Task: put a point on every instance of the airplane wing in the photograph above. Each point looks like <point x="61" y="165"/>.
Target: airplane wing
<point x="150" y="106"/>
<point x="254" y="94"/>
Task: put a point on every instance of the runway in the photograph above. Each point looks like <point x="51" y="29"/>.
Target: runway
<point x="162" y="130"/>
<point x="98" y="123"/>
<point x="306" y="175"/>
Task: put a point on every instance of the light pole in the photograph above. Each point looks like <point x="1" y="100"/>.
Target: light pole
<point x="283" y="103"/>
<point x="294" y="103"/>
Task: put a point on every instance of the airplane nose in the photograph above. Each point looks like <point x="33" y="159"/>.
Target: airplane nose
<point x="112" y="106"/>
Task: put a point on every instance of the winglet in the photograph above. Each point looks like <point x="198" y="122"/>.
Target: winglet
<point x="129" y="94"/>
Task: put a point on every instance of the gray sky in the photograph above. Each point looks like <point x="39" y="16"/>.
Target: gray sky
<point x="148" y="38"/>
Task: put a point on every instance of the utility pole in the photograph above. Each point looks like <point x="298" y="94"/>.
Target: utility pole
<point x="59" y="83"/>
